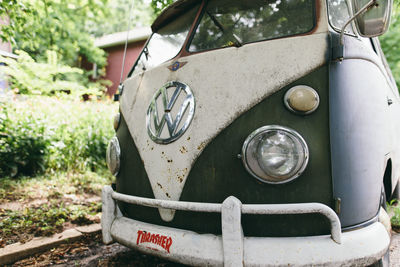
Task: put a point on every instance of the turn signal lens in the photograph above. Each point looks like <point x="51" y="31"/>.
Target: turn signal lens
<point x="113" y="156"/>
<point x="301" y="99"/>
<point x="117" y="119"/>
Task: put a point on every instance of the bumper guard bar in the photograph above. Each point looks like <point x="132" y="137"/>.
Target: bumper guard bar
<point x="236" y="249"/>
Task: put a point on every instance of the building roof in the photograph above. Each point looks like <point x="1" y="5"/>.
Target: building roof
<point x="118" y="38"/>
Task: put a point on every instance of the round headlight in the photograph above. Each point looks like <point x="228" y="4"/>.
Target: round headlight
<point x="275" y="154"/>
<point x="113" y="156"/>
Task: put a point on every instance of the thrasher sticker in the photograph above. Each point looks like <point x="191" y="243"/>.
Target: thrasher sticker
<point x="162" y="241"/>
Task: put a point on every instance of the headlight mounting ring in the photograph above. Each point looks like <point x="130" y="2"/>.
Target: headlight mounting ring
<point x="251" y="162"/>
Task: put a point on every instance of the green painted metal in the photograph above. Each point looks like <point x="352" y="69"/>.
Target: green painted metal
<point x="219" y="173"/>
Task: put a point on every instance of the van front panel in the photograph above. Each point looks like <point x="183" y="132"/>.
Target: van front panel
<point x="218" y="172"/>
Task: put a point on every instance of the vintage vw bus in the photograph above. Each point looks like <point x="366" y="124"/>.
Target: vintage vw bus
<point x="257" y="132"/>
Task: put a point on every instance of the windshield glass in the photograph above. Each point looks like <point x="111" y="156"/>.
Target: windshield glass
<point x="339" y="14"/>
<point x="237" y="22"/>
<point x="166" y="42"/>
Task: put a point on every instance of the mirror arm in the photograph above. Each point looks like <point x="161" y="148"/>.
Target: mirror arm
<point x="362" y="10"/>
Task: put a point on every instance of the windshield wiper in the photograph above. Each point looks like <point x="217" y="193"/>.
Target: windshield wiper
<point x="237" y="42"/>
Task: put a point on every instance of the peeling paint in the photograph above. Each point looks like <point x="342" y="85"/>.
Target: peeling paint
<point x="201" y="146"/>
<point x="180" y="179"/>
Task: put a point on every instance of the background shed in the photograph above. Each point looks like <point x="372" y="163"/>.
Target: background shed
<point x="114" y="45"/>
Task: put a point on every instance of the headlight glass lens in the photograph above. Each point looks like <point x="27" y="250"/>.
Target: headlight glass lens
<point x="275" y="154"/>
<point x="113" y="156"/>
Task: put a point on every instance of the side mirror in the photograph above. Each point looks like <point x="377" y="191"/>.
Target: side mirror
<point x="375" y="20"/>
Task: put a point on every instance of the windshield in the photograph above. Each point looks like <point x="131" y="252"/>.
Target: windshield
<point x="166" y="42"/>
<point x="236" y="22"/>
<point x="339" y="14"/>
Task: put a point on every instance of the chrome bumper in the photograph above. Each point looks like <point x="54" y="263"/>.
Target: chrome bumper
<point x="359" y="247"/>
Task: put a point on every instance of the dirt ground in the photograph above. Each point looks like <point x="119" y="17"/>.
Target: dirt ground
<point x="90" y="252"/>
<point x="395" y="250"/>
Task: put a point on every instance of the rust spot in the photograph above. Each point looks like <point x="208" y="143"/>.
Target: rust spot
<point x="162" y="152"/>
<point x="183" y="150"/>
<point x="152" y="148"/>
<point x="169" y="160"/>
<point x="167" y="195"/>
<point x="180" y="179"/>
<point x="188" y="138"/>
<point x="159" y="185"/>
<point x="201" y="146"/>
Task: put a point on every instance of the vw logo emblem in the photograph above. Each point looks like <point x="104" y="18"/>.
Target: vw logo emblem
<point x="172" y="106"/>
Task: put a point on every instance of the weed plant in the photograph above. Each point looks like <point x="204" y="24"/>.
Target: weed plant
<point x="44" y="220"/>
<point x="394" y="212"/>
<point x="43" y="134"/>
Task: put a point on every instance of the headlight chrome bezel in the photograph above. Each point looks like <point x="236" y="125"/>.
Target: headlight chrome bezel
<point x="113" y="161"/>
<point x="264" y="130"/>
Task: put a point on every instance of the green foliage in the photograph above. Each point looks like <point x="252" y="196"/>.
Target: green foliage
<point x="118" y="18"/>
<point x="159" y="5"/>
<point x="23" y="143"/>
<point x="54" y="185"/>
<point x="70" y="197"/>
<point x="37" y="26"/>
<point x="45" y="134"/>
<point x="46" y="219"/>
<point x="30" y="77"/>
<point x="394" y="211"/>
<point x="390" y="42"/>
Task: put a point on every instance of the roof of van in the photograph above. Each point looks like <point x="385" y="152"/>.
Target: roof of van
<point x="171" y="12"/>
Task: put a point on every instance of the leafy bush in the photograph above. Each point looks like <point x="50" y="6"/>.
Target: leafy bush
<point x="23" y="143"/>
<point x="33" y="78"/>
<point x="46" y="134"/>
<point x="390" y="42"/>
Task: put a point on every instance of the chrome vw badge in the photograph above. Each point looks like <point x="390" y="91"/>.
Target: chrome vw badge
<point x="175" y="102"/>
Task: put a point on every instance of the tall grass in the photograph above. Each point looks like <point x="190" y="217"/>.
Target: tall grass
<point x="43" y="134"/>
